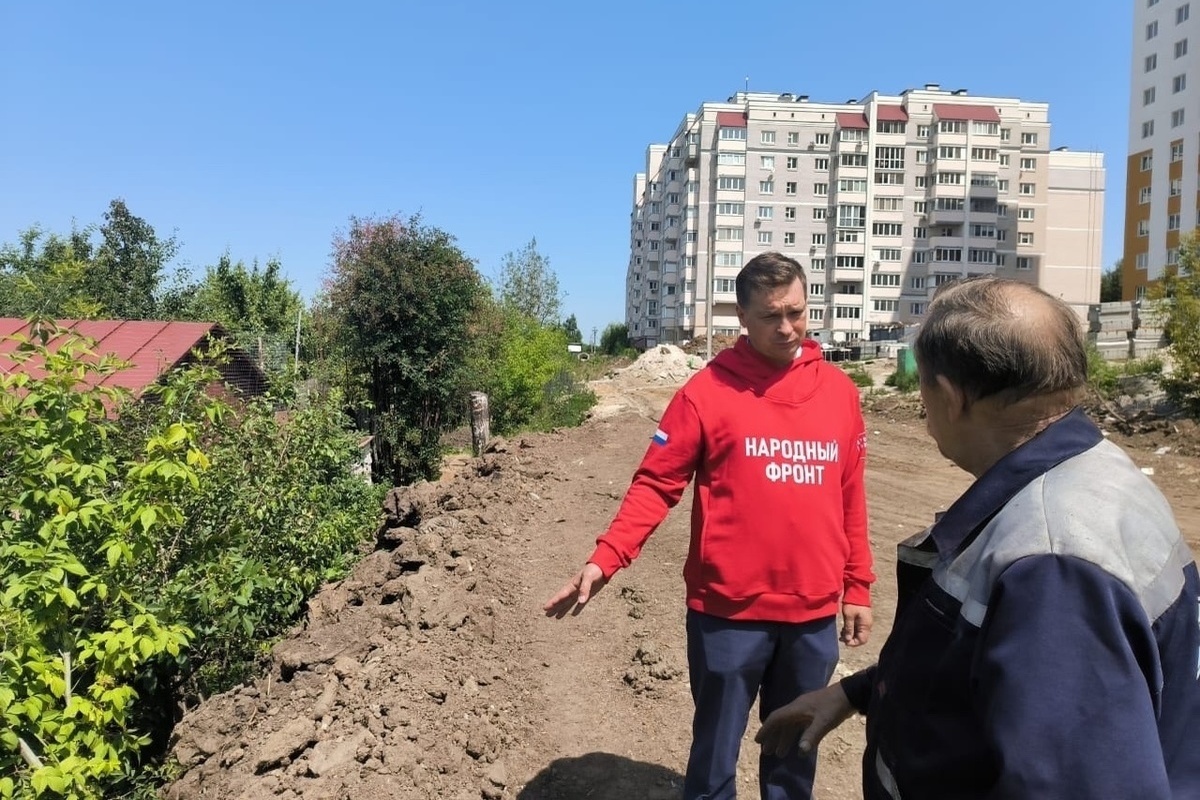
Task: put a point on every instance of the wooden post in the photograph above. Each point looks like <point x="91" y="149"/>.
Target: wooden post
<point x="481" y="422"/>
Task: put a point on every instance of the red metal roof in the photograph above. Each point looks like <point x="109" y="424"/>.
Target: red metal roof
<point x="891" y="114"/>
<point x="151" y="347"/>
<point x="965" y="113"/>
<point x="731" y="119"/>
<point x="850" y="119"/>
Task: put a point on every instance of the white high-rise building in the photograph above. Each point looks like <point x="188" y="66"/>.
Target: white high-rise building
<point x="881" y="200"/>
<point x="1164" y="136"/>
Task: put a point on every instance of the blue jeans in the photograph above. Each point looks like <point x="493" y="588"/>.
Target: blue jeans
<point x="730" y="662"/>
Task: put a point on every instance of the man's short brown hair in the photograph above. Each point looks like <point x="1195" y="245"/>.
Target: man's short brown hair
<point x="767" y="272"/>
<point x="992" y="336"/>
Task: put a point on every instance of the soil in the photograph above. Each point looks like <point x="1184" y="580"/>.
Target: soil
<point x="431" y="672"/>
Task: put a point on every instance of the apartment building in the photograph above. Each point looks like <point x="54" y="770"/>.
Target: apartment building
<point x="881" y="199"/>
<point x="1161" y="189"/>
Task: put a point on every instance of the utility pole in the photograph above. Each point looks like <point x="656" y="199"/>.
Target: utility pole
<point x="708" y="295"/>
<point x="593" y="340"/>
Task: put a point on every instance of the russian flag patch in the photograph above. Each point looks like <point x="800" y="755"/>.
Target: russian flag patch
<point x="660" y="437"/>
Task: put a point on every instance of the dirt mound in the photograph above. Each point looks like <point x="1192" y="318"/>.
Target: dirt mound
<point x="699" y="345"/>
<point x="644" y="386"/>
<point x="665" y="364"/>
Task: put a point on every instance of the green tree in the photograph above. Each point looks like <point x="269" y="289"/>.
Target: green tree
<point x="570" y="327"/>
<point x="1110" y="284"/>
<point x="44" y="275"/>
<point x="528" y="286"/>
<point x="1177" y="298"/>
<point x="615" y="339"/>
<point x="400" y="298"/>
<point x="127" y="270"/>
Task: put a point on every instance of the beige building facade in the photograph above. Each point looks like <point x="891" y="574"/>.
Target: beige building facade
<point x="881" y="199"/>
<point x="1162" y="193"/>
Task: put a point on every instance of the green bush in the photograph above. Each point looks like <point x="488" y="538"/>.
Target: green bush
<point x="148" y="561"/>
<point x="860" y="377"/>
<point x="903" y="381"/>
<point x="1106" y="377"/>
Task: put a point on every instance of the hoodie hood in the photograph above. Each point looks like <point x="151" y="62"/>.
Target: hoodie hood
<point x="743" y="366"/>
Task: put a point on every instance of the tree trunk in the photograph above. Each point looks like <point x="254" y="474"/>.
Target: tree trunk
<point x="481" y="422"/>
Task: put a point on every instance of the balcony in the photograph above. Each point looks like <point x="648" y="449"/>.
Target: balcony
<point x="847" y="274"/>
<point x="943" y="216"/>
<point x="692" y="154"/>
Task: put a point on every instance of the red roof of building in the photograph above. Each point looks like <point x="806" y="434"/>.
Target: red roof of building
<point x="965" y="113"/>
<point x="151" y="347"/>
<point x="891" y="114"/>
<point x="850" y="119"/>
<point x="731" y="119"/>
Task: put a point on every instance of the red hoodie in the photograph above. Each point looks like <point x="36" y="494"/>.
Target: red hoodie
<point x="779" y="517"/>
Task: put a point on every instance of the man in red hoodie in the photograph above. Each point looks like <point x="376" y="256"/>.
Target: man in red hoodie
<point x="774" y="438"/>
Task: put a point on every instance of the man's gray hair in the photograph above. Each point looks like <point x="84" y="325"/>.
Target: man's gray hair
<point x="992" y="336"/>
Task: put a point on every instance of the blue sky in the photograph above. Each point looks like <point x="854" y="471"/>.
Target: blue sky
<point x="261" y="127"/>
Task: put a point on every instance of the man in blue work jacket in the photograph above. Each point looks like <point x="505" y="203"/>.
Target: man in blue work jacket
<point x="1046" y="641"/>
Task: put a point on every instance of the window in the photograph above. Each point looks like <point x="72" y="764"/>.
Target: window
<point x="978" y="256"/>
<point x="655" y="226"/>
<point x="1144" y="195"/>
<point x="852" y="216"/>
<point x="821" y="164"/>
<point x="919" y="206"/>
<point x="986" y="128"/>
<point x="766" y="187"/>
<point x="1028" y="188"/>
<point x="920" y="256"/>
<point x="983" y="231"/>
<point x="852" y="185"/>
<point x="731" y="183"/>
<point x="689" y="237"/>
<point x="730" y="209"/>
<point x="889" y="158"/>
<point x="789" y="188"/>
<point x="885" y="305"/>
<point x="1024" y="262"/>
<point x="916" y="309"/>
<point x="1181" y="13"/>
<point x="1029" y="138"/>
<point x="916" y="283"/>
<point x="888" y="254"/>
<point x="1176" y="151"/>
<point x="950" y="178"/>
<point x="731" y="159"/>
<point x="947" y="254"/>
<point x="853" y="160"/>
<point x="852" y="135"/>
<point x="1178" y="84"/>
<point x="920" y="181"/>
<point x="724" y="285"/>
<point x="764" y="237"/>
<point x="943" y="279"/>
<point x="983" y="179"/>
<point x="1176" y="188"/>
<point x="889" y="126"/>
<point x="673" y="197"/>
<point x="849" y="235"/>
<point x="948" y="204"/>
<point x="1173" y="256"/>
<point x="887" y="229"/>
<point x="1028" y="163"/>
<point x="883" y="279"/>
<point x="1151" y="63"/>
<point x="817" y="264"/>
<point x="1147" y="162"/>
<point x="1143" y="260"/>
<point x="1004" y="159"/>
<point x="793" y="137"/>
<point x="922" y="157"/>
<point x="1172" y="222"/>
<point x="889" y="178"/>
<point x="952" y="126"/>
<point x="983" y="153"/>
<point x="793" y="162"/>
<point x="1005" y="134"/>
<point x="889" y="203"/>
<point x="789" y="212"/>
<point x="1024" y="238"/>
<point x="789" y="238"/>
<point x="816" y="314"/>
<point x="1001" y="235"/>
<point x="736" y="134"/>
<point x="1152" y="30"/>
<point x="1148" y="96"/>
<point x="1181" y="48"/>
<point x="1024" y="213"/>
<point x="767" y="137"/>
<point x="920" y="233"/>
<point x="818" y="239"/>
<point x="766" y="212"/>
<point x="820" y="212"/>
<point x="923" y="131"/>
<point x="847" y="312"/>
<point x="950" y="152"/>
<point x="670" y="289"/>
<point x="821" y="189"/>
<point x="1177" y="118"/>
<point x="729" y="259"/>
<point x="849" y="262"/>
<point x="729" y="234"/>
<point x="822" y="138"/>
<point x="689" y="262"/>
<point x="816" y="289"/>
<point x="767" y="162"/>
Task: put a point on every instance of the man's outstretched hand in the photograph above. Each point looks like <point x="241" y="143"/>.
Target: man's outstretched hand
<point x="574" y="595"/>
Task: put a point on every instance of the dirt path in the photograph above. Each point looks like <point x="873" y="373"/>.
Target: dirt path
<point x="432" y="673"/>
